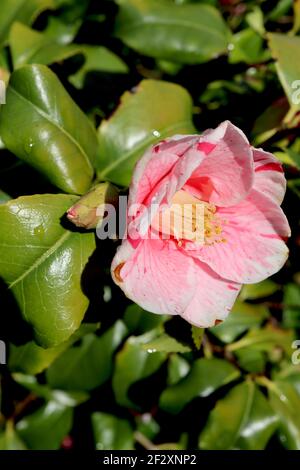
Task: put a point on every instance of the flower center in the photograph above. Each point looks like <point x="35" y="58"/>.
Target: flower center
<point x="189" y="218"/>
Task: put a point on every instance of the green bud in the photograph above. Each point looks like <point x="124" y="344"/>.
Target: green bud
<point x="84" y="212"/>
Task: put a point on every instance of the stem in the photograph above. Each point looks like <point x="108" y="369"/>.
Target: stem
<point x="144" y="441"/>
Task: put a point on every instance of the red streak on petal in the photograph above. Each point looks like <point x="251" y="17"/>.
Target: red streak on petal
<point x="156" y="148"/>
<point x="270" y="167"/>
<point x="231" y="287"/>
<point x="134" y="243"/>
<point x="217" y="322"/>
<point x="274" y="236"/>
<point x="205" y="147"/>
<point x="117" y="272"/>
<point x="71" y="213"/>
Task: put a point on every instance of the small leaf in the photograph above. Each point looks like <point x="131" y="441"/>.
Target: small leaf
<point x="251" y="360"/>
<point x="259" y="290"/>
<point x="62" y="31"/>
<point x="248" y="48"/>
<point x="18" y="10"/>
<point x="242" y="420"/>
<point x="42" y="263"/>
<point x="188" y="34"/>
<point x="291" y="309"/>
<point x="88" y="365"/>
<point x="97" y="59"/>
<point x="32" y="359"/>
<point x="9" y="439"/>
<point x="63" y="398"/>
<point x="29" y="46"/>
<point x="140" y="121"/>
<point x="167" y="344"/>
<point x="138" y="321"/>
<point x="62" y="143"/>
<point x="146" y="425"/>
<point x="265" y="340"/>
<point x="290" y="374"/>
<point x="284" y="49"/>
<point x="197" y="336"/>
<point x="205" y="376"/>
<point x="285" y="401"/>
<point x="255" y="19"/>
<point x="242" y="317"/>
<point x="133" y="364"/>
<point x="4" y="197"/>
<point x="178" y="368"/>
<point x="32" y="47"/>
<point x="45" y="428"/>
<point x="111" y="433"/>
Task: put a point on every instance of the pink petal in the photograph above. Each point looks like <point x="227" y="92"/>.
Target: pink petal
<point x="155" y="164"/>
<point x="255" y="232"/>
<point x="213" y="298"/>
<point x="163" y="192"/>
<point x="156" y="275"/>
<point x="226" y="174"/>
<point x="162" y="279"/>
<point x="269" y="177"/>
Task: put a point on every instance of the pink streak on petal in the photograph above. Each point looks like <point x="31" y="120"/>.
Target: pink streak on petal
<point x="206" y="147"/>
<point x="269" y="177"/>
<point x="254" y="247"/>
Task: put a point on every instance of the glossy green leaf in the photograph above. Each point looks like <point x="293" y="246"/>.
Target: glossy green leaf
<point x="138" y="321"/>
<point x="62" y="143"/>
<point x="146" y="425"/>
<point x="259" y="290"/>
<point x="4" y="197"/>
<point x="247" y="46"/>
<point x="296" y="25"/>
<point x="255" y="19"/>
<point x="188" y="34"/>
<point x="284" y="49"/>
<point x="286" y="402"/>
<point x="265" y="340"/>
<point x="242" y="420"/>
<point x="111" y="433"/>
<point x="61" y="30"/>
<point x="9" y="439"/>
<point x="45" y="428"/>
<point x="63" y="398"/>
<point x="205" y="376"/>
<point x="32" y="47"/>
<point x="30" y="358"/>
<point x="167" y="344"/>
<point x="18" y="10"/>
<point x="291" y="302"/>
<point x="97" y="59"/>
<point x="242" y="317"/>
<point x="251" y="360"/>
<point x="42" y="263"/>
<point x="280" y="9"/>
<point x="88" y="365"/>
<point x="140" y="121"/>
<point x="265" y="126"/>
<point x="133" y="364"/>
<point x="291" y="374"/>
<point x="178" y="368"/>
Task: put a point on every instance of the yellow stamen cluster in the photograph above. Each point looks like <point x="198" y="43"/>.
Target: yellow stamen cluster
<point x="212" y="225"/>
<point x="189" y="218"/>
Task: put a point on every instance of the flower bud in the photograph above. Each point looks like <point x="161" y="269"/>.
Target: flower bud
<point x="84" y="212"/>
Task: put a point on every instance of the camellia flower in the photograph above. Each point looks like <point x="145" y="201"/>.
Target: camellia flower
<point x="198" y="272"/>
